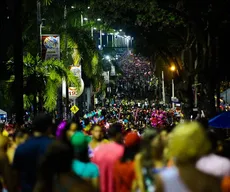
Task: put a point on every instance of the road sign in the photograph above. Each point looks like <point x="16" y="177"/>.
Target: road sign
<point x="74" y="109"/>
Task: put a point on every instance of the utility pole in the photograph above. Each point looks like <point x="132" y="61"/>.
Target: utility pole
<point x="163" y="87"/>
<point x="66" y="55"/>
<point x="18" y="61"/>
<point x="92" y="30"/>
<point x="100" y="39"/>
<point x="173" y="94"/>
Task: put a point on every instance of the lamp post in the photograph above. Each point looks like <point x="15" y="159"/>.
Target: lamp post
<point x="173" y="68"/>
<point x="163" y="87"/>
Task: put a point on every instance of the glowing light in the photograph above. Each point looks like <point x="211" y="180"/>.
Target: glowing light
<point x="172" y="68"/>
<point x="107" y="57"/>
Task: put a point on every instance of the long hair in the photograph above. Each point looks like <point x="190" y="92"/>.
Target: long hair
<point x="130" y="153"/>
<point x="57" y="160"/>
<point x="148" y="151"/>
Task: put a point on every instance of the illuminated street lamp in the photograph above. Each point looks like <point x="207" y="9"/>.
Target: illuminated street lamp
<point x="173" y="68"/>
<point x="107" y="57"/>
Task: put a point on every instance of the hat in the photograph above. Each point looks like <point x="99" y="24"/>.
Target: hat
<point x="80" y="141"/>
<point x="188" y="141"/>
<point x="132" y="139"/>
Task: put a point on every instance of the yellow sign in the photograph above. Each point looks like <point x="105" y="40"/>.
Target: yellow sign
<point x="74" y="109"/>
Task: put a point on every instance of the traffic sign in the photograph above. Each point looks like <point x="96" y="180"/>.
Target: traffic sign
<point x="74" y="109"/>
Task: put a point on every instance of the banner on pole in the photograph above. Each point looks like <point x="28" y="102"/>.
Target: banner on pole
<point x="50" y="46"/>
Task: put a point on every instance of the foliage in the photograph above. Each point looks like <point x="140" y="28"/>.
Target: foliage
<point x="45" y="77"/>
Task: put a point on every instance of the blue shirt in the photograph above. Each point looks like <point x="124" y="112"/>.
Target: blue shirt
<point x="26" y="159"/>
<point x="85" y="170"/>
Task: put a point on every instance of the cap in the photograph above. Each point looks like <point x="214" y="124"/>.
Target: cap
<point x="188" y="141"/>
<point x="80" y="141"/>
<point x="132" y="139"/>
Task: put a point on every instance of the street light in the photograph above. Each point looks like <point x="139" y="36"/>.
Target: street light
<point x="107" y="57"/>
<point x="173" y="68"/>
<point x="86" y="19"/>
<point x="98" y="19"/>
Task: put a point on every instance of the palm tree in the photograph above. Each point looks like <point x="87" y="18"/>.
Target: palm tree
<point x="43" y="79"/>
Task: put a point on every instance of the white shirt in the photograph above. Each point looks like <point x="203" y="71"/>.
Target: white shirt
<point x="214" y="165"/>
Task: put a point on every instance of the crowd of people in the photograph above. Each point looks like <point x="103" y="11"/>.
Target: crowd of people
<point x="103" y="153"/>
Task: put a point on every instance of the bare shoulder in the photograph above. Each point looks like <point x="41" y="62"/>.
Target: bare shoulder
<point x="138" y="157"/>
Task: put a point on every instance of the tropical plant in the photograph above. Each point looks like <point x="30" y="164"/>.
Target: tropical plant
<point x="44" y="78"/>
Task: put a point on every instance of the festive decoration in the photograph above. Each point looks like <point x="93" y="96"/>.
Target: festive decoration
<point x="60" y="129"/>
<point x="159" y="119"/>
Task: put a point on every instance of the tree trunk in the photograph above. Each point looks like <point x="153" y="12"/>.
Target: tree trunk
<point x="40" y="102"/>
<point x="59" y="104"/>
<point x="35" y="104"/>
<point x="18" y="62"/>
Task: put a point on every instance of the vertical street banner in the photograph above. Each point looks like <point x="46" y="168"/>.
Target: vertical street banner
<point x="74" y="93"/>
<point x="50" y="46"/>
<point x="113" y="71"/>
<point x="76" y="70"/>
<point x="105" y="74"/>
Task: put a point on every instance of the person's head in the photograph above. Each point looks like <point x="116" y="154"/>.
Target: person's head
<point x="42" y="123"/>
<point x="132" y="146"/>
<point x="152" y="147"/>
<point x="76" y="121"/>
<point x="56" y="161"/>
<point x="115" y="132"/>
<point x="20" y="137"/>
<point x="80" y="144"/>
<point x="97" y="132"/>
<point x="87" y="121"/>
<point x="188" y="142"/>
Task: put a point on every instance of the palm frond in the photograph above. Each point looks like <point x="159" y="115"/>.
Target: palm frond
<point x="47" y="2"/>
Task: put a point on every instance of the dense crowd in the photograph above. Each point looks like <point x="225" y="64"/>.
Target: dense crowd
<point x="111" y="152"/>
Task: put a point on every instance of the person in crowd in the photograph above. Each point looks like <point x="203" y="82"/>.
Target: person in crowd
<point x="124" y="180"/>
<point x="211" y="163"/>
<point x="150" y="160"/>
<point x="28" y="154"/>
<point x="226" y="149"/>
<point x="72" y="129"/>
<point x="55" y="171"/>
<point x="74" y="132"/>
<point x="87" y="125"/>
<point x="81" y="164"/>
<point x="106" y="155"/>
<point x="225" y="184"/>
<point x="19" y="137"/>
<point x="97" y="139"/>
<point x="7" y="177"/>
<point x="187" y="143"/>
